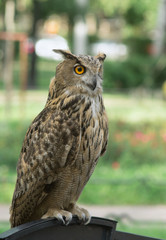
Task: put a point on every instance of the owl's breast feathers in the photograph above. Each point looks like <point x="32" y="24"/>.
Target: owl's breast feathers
<point x="67" y="137"/>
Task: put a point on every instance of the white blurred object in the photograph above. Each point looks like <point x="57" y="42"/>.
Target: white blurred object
<point x="82" y="3"/>
<point x="44" y="47"/>
<point x="111" y="49"/>
<point x="80" y="36"/>
<point x="159" y="41"/>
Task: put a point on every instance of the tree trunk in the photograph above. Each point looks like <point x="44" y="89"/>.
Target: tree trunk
<point x="9" y="54"/>
<point x="33" y="70"/>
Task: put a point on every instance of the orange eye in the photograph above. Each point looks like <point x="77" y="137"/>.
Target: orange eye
<point x="79" y="69"/>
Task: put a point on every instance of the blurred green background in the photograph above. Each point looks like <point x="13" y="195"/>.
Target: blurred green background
<point x="132" y="33"/>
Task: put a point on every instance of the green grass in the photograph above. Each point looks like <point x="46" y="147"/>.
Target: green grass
<point x="4" y="226"/>
<point x="132" y="109"/>
<point x="154" y="230"/>
<point x="132" y="186"/>
<point x="7" y="183"/>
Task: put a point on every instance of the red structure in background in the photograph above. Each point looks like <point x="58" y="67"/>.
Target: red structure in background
<point x="22" y="39"/>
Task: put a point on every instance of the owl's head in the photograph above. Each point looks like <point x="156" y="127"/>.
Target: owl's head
<point x="83" y="73"/>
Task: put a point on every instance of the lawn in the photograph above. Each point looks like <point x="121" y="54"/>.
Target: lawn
<point x="154" y="230"/>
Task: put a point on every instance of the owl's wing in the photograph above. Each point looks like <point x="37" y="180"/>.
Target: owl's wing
<point x="50" y="143"/>
<point x="105" y="130"/>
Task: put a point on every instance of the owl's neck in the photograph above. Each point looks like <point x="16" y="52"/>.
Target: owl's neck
<point x="67" y="98"/>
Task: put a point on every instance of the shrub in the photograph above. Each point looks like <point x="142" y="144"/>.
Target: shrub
<point x="11" y="138"/>
<point x="136" y="144"/>
<point x="132" y="72"/>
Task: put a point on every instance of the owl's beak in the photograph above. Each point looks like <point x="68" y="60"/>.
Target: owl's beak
<point x="93" y="83"/>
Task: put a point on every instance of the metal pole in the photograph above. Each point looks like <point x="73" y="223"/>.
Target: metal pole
<point x="160" y="29"/>
<point x="80" y="29"/>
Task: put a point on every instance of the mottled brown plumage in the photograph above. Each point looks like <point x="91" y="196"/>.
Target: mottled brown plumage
<point x="63" y="144"/>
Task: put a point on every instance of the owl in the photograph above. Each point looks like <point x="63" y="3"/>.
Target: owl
<point x="63" y="144"/>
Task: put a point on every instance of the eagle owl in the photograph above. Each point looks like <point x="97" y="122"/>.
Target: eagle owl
<point x="62" y="145"/>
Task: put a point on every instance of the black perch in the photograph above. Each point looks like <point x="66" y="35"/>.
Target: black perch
<point x="52" y="229"/>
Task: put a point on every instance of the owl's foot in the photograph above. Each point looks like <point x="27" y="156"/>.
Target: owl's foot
<point x="82" y="214"/>
<point x="61" y="215"/>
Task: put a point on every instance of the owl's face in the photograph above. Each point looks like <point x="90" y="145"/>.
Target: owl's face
<point x="83" y="72"/>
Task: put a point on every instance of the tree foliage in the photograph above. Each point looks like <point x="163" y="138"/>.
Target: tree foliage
<point x="135" y="14"/>
<point x="134" y="11"/>
<point x="46" y="8"/>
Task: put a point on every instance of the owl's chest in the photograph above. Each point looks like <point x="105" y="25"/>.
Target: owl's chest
<point x="92" y="132"/>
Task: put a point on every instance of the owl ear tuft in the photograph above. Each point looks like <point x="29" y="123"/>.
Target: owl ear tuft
<point x="101" y="57"/>
<point x="65" y="54"/>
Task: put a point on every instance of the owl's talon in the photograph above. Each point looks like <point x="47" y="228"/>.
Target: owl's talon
<point x="66" y="220"/>
<point x="87" y="220"/>
<point x="61" y="215"/>
<point x="82" y="214"/>
<point x="60" y="218"/>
